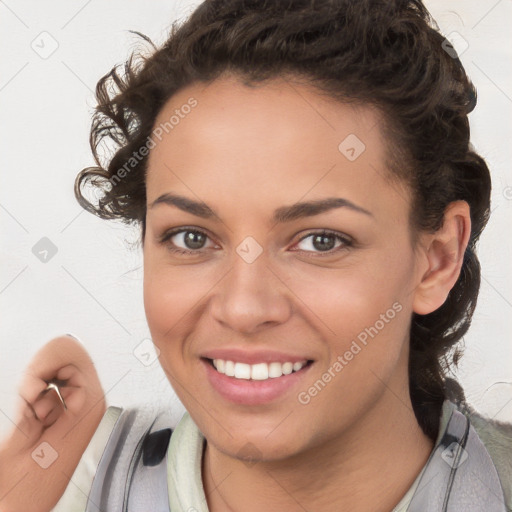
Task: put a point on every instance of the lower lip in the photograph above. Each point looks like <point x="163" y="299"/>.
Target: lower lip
<point x="252" y="392"/>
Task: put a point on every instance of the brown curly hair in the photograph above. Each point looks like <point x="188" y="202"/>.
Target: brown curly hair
<point x="384" y="53"/>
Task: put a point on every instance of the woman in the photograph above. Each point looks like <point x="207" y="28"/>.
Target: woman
<point x="309" y="205"/>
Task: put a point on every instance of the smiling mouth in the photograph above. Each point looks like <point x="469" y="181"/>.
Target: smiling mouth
<point x="258" y="371"/>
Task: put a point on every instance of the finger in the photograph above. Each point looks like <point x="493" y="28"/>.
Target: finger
<point x="40" y="407"/>
<point x="44" y="406"/>
<point x="41" y="414"/>
<point x="31" y="387"/>
<point x="56" y="354"/>
<point x="72" y="376"/>
<point x="72" y="380"/>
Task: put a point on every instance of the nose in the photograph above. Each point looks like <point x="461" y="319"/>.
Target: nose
<point x="251" y="296"/>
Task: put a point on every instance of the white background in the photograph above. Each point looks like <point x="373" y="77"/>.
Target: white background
<point x="92" y="287"/>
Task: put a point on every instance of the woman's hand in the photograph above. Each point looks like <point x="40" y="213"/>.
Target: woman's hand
<point x="41" y="452"/>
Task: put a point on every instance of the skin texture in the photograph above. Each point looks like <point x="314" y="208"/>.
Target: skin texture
<point x="41" y="418"/>
<point x="245" y="152"/>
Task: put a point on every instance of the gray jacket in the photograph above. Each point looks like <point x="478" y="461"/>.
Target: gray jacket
<point x="469" y="469"/>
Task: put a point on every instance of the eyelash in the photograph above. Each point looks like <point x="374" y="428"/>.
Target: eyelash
<point x="346" y="242"/>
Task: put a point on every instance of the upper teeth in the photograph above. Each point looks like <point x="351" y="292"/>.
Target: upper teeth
<point x="259" y="371"/>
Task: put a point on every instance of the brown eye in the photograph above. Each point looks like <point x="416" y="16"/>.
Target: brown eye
<point x="184" y="241"/>
<point x="193" y="239"/>
<point x="324" y="242"/>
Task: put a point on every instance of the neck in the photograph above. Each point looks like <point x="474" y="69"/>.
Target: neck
<point x="369" y="467"/>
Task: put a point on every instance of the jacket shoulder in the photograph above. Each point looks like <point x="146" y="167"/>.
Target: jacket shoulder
<point x="497" y="438"/>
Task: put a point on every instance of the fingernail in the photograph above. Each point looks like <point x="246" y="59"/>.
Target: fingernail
<point x="72" y="336"/>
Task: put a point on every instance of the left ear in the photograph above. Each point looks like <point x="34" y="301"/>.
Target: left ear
<point x="445" y="253"/>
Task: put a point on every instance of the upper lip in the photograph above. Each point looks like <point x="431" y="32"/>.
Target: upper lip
<point x="253" y="357"/>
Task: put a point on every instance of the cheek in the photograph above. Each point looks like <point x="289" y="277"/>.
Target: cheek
<point x="174" y="298"/>
<point x="369" y="304"/>
<point x="364" y="315"/>
<point x="346" y="301"/>
<point x="365" y="331"/>
<point x="165" y="315"/>
<point x="165" y="300"/>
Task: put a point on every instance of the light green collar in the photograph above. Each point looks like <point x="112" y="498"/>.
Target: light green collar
<point x="185" y="457"/>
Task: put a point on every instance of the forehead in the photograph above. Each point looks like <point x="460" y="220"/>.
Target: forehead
<point x="274" y="142"/>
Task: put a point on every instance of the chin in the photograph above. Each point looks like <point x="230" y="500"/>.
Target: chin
<point x="259" y="450"/>
<point x="257" y="443"/>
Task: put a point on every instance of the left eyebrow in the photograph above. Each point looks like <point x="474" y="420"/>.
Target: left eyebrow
<point x="281" y="215"/>
<point x="310" y="208"/>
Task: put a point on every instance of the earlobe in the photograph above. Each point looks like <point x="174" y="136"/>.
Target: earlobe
<point x="445" y="254"/>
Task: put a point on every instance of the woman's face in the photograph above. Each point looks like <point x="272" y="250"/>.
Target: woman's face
<point x="259" y="285"/>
